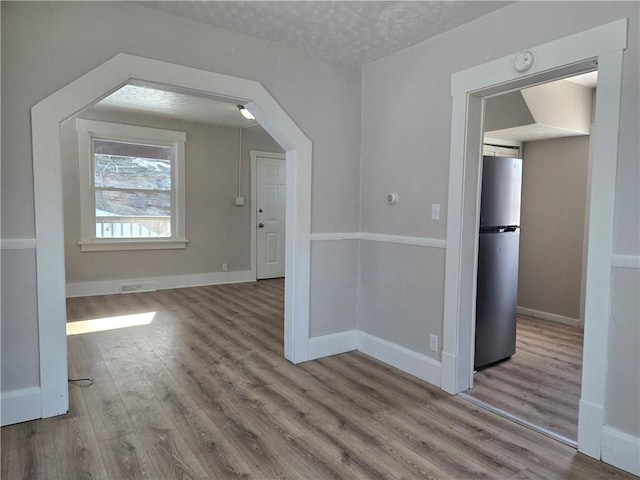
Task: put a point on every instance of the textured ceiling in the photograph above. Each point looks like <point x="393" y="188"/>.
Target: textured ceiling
<point x="351" y="32"/>
<point x="180" y="106"/>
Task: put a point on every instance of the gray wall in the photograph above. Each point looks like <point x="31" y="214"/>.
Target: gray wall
<point x="20" y="366"/>
<point x="554" y="196"/>
<point x="47" y="45"/>
<point x="401" y="294"/>
<point x="218" y="231"/>
<point x="334" y="281"/>
<point x="407" y="150"/>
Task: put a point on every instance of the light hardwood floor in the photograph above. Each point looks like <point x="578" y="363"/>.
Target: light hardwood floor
<point x="540" y="383"/>
<point x="203" y="391"/>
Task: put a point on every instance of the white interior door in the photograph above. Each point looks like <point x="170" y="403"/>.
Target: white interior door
<point x="270" y="217"/>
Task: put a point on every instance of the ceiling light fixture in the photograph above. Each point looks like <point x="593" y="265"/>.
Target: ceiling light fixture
<point x="246" y="113"/>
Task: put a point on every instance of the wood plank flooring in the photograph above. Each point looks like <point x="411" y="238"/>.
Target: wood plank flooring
<point x="203" y="392"/>
<point x="541" y="382"/>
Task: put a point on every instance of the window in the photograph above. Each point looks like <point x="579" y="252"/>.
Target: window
<point x="131" y="187"/>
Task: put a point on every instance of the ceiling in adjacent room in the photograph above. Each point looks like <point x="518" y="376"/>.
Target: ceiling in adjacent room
<point x="589" y="79"/>
<point x="534" y="130"/>
<point x="355" y="32"/>
<point x="153" y="100"/>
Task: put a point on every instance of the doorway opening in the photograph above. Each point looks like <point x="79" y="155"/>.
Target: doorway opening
<point x="555" y="60"/>
<point x="97" y="84"/>
<point x="529" y="305"/>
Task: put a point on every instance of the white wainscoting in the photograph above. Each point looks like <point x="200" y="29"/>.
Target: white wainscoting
<point x="621" y="449"/>
<point x="108" y="287"/>
<point x="550" y="317"/>
<point x="20" y="405"/>
<point x="413" y="363"/>
<point x="408" y="361"/>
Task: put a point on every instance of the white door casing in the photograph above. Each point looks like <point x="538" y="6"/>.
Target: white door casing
<point x="46" y="117"/>
<point x="270" y="209"/>
<point x="602" y="46"/>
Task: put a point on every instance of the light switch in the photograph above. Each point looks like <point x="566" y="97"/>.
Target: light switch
<point x="435" y="211"/>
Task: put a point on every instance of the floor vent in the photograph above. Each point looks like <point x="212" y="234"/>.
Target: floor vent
<point x="138" y="287"/>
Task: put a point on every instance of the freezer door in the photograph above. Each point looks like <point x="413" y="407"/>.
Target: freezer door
<point x="496" y="299"/>
<point x="501" y="186"/>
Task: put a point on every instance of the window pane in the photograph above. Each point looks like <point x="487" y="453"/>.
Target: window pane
<point x="130" y="165"/>
<point x="132" y="214"/>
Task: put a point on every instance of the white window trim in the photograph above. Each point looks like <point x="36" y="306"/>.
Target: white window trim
<point x="87" y="130"/>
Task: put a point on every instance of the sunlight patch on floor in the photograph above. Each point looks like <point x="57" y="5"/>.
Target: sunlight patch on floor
<point x="109" y="323"/>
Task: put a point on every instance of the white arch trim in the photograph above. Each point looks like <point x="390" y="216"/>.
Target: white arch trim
<point x="46" y="117"/>
<point x="468" y="89"/>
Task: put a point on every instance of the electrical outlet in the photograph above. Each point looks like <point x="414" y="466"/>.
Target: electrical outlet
<point x="435" y="211"/>
<point x="433" y="342"/>
<point x="225" y="267"/>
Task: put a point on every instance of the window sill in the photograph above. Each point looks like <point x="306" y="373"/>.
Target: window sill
<point x="119" y="245"/>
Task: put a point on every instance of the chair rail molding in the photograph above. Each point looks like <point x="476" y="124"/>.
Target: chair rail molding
<point x="381" y="237"/>
<point x="18" y="244"/>
<point x="625" y="261"/>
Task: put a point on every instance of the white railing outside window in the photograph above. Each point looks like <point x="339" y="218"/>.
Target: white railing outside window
<point x="133" y="227"/>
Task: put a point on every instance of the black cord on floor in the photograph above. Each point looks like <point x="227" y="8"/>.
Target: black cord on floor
<point x="75" y="380"/>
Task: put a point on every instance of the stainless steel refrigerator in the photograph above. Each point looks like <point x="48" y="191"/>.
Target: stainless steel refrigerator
<point x="499" y="239"/>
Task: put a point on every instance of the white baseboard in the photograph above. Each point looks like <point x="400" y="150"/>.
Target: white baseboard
<point x="108" y="287"/>
<point x="20" y="405"/>
<point x="550" y="317"/>
<point x="621" y="449"/>
<point x="333" y="344"/>
<point x="413" y="363"/>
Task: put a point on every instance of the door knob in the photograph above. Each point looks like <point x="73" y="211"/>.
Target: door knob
<point x="259" y="210"/>
<point x="261" y="225"/>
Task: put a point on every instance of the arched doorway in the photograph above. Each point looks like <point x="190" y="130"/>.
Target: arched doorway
<point x="90" y="88"/>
